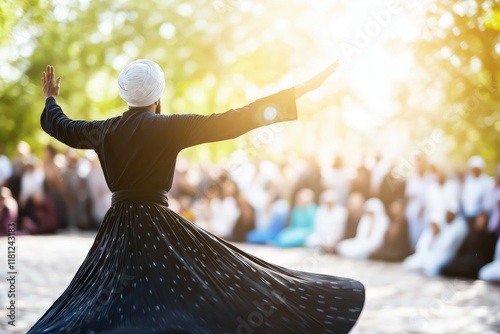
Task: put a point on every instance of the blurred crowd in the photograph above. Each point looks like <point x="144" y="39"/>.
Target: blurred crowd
<point x="433" y="220"/>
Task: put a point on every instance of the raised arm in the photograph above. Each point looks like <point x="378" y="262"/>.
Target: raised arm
<point x="76" y="134"/>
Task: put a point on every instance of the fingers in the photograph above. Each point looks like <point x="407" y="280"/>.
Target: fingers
<point x="330" y="69"/>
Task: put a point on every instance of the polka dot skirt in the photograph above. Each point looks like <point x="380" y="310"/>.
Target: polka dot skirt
<point x="151" y="271"/>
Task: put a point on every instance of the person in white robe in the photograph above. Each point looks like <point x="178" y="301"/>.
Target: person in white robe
<point x="475" y="189"/>
<point x="439" y="242"/>
<point x="329" y="221"/>
<point x="491" y="271"/>
<point x="370" y="233"/>
<point x="415" y="194"/>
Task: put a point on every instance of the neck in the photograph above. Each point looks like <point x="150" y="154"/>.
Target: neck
<point x="151" y="109"/>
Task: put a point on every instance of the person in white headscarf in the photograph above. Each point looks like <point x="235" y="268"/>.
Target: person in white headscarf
<point x="439" y="242"/>
<point x="475" y="189"/>
<point x="329" y="221"/>
<point x="370" y="233"/>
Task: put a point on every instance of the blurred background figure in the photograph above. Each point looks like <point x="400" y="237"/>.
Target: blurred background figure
<point x="99" y="193"/>
<point x="53" y="185"/>
<point x="76" y="193"/>
<point x="392" y="187"/>
<point x="301" y="221"/>
<point x="476" y="251"/>
<point x="361" y="182"/>
<point x="415" y="192"/>
<point x="23" y="151"/>
<point x="380" y="169"/>
<point x="272" y="217"/>
<point x="354" y="208"/>
<point x="439" y="242"/>
<point x="475" y="190"/>
<point x="396" y="245"/>
<point x="336" y="177"/>
<point x="8" y="212"/>
<point x="5" y="168"/>
<point x="491" y="271"/>
<point x="31" y="180"/>
<point x="245" y="221"/>
<point x="39" y="215"/>
<point x="370" y="233"/>
<point x="329" y="221"/>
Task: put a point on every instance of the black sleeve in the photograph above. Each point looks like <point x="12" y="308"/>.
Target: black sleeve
<point x="76" y="134"/>
<point x="190" y="129"/>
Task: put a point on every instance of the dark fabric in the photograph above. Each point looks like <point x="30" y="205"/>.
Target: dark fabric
<point x="152" y="271"/>
<point x="396" y="245"/>
<point x="476" y="251"/>
<point x="44" y="216"/>
<point x="391" y="189"/>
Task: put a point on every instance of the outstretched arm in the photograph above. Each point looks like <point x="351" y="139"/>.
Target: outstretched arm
<point x="279" y="107"/>
<point x="315" y="81"/>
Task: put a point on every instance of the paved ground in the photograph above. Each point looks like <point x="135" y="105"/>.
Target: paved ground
<point x="397" y="301"/>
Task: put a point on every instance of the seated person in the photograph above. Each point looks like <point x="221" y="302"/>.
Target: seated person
<point x="370" y="233"/>
<point x="329" y="221"/>
<point x="39" y="215"/>
<point x="396" y="246"/>
<point x="354" y="208"/>
<point x="277" y="216"/>
<point x="475" y="252"/>
<point x="301" y="221"/>
<point x="8" y="213"/>
<point x="491" y="271"/>
<point x="438" y="243"/>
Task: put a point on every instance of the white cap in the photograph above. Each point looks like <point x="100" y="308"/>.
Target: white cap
<point x="476" y="162"/>
<point x="141" y="83"/>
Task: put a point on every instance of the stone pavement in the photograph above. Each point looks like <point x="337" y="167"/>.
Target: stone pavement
<point x="397" y="301"/>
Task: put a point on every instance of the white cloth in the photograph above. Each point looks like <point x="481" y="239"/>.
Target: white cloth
<point x="368" y="238"/>
<point x="474" y="194"/>
<point x="5" y="169"/>
<point x="225" y="213"/>
<point x="416" y="192"/>
<point x="439" y="199"/>
<point x="491" y="271"/>
<point x="31" y="182"/>
<point x="141" y="83"/>
<point x="329" y="226"/>
<point x="99" y="193"/>
<point x="338" y="179"/>
<point x="493" y="208"/>
<point x="434" y="251"/>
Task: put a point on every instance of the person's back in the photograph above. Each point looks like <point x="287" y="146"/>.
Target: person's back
<point x="150" y="269"/>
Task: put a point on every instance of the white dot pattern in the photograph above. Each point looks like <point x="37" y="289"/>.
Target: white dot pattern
<point x="151" y="271"/>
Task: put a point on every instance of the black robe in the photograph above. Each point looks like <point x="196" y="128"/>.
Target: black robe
<point x="477" y="250"/>
<point x="152" y="271"/>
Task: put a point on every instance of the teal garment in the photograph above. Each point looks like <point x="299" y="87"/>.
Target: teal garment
<point x="301" y="226"/>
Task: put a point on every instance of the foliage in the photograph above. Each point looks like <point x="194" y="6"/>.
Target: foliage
<point x="223" y="53"/>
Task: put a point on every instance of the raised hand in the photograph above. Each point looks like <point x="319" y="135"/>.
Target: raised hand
<point x="315" y="81"/>
<point x="50" y="85"/>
